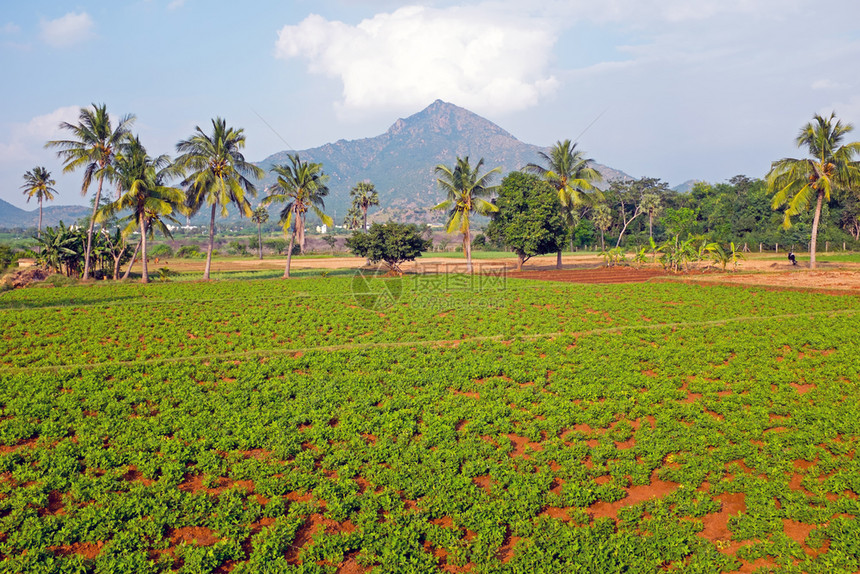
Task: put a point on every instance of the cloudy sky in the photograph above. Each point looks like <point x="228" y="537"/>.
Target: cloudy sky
<point x="675" y="89"/>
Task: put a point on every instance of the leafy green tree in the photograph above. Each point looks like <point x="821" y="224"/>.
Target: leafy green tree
<point x="795" y="183"/>
<point x="146" y="197"/>
<point x="219" y="174"/>
<point x="331" y="240"/>
<point x="529" y="219"/>
<point x="466" y="190"/>
<point x="393" y="243"/>
<point x="260" y="216"/>
<point x="301" y="186"/>
<point x="93" y="147"/>
<point x="39" y="184"/>
<point x="571" y="174"/>
<point x="364" y="196"/>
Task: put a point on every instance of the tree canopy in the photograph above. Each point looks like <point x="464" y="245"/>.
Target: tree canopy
<point x="529" y="219"/>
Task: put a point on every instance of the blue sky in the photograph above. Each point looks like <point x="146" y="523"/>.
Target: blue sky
<point x="683" y="89"/>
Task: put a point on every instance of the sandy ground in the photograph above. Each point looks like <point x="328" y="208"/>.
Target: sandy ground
<point x="753" y="271"/>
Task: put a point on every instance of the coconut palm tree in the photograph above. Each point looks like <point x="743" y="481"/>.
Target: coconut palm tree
<point x="38" y="184"/>
<point x="364" y="196"/>
<point x="832" y="168"/>
<point x="93" y="146"/>
<point x="570" y="173"/>
<point x="466" y="190"/>
<point x="260" y="216"/>
<point x="144" y="193"/>
<point x="301" y="186"/>
<point x="219" y="174"/>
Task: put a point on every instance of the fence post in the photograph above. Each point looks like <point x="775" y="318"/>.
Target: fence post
<point x="777" y="248"/>
<point x="759" y="247"/>
<point x="826" y="246"/>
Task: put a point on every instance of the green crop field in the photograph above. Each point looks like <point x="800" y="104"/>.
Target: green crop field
<point x="428" y="424"/>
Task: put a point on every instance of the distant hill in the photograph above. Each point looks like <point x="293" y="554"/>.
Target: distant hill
<point x="12" y="217"/>
<point x="401" y="161"/>
<point x="687" y="186"/>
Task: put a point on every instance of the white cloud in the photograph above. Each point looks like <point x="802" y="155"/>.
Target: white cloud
<point x="482" y="58"/>
<point x="10" y="28"/>
<point x="68" y="30"/>
<point x="825" y="84"/>
<point x="26" y="140"/>
<point x="175" y="4"/>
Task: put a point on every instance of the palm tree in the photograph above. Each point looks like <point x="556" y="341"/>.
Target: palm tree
<point x="651" y="204"/>
<point x="38" y="184"/>
<point x="602" y="217"/>
<point x="364" y="196"/>
<point x="832" y="168"/>
<point x="141" y="183"/>
<point x="302" y="186"/>
<point x="571" y="174"/>
<point x="219" y="174"/>
<point x="465" y="189"/>
<point x="353" y="218"/>
<point x="93" y="147"/>
<point x="260" y="216"/>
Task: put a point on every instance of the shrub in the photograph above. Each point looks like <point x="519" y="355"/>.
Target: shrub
<point x="160" y="250"/>
<point x="189" y="252"/>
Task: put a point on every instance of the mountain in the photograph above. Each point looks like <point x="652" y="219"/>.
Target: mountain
<point x="401" y="162"/>
<point x="687" y="186"/>
<point x="12" y="217"/>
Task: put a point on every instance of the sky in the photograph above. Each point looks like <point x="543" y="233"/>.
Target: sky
<point x="673" y="89"/>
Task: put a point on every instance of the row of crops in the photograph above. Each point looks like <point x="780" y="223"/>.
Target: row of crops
<point x="268" y="426"/>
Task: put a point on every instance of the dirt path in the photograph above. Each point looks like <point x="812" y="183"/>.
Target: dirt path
<point x="578" y="268"/>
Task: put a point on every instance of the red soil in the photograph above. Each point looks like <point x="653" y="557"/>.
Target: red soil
<point x="197" y="535"/>
<point x="598" y="275"/>
<point x="635" y="494"/>
<point x="88" y="550"/>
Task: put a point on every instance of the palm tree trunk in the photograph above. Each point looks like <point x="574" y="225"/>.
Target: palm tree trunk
<point x="467" y="248"/>
<point x="300" y="232"/>
<point x="651" y="225"/>
<point x="131" y="263"/>
<point x="211" y="245"/>
<point x="90" y="230"/>
<point x="39" y="232"/>
<point x="260" y="240"/>
<point x="290" y="255"/>
<point x="364" y="210"/>
<point x="145" y="276"/>
<point x="558" y="260"/>
<point x="815" y="229"/>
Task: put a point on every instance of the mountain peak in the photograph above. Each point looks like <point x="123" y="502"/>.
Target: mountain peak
<point x="449" y="119"/>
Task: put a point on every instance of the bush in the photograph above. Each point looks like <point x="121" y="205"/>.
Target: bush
<point x="189" y="252"/>
<point x="276" y="245"/>
<point x="160" y="250"/>
<point x="238" y="247"/>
